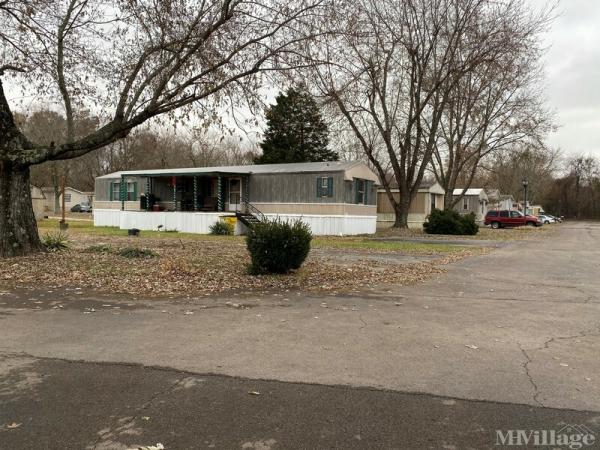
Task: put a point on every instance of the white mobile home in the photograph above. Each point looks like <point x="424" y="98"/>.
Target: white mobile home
<point x="332" y="197"/>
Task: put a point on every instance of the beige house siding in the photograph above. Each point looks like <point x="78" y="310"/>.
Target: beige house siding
<point x="419" y="204"/>
<point x="317" y="208"/>
<point x="129" y="206"/>
<point x="39" y="207"/>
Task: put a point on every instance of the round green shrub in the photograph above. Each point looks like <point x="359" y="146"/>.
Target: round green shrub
<point x="448" y="221"/>
<point x="278" y="247"/>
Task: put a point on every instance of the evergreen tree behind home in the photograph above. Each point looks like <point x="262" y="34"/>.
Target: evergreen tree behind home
<point x="296" y="131"/>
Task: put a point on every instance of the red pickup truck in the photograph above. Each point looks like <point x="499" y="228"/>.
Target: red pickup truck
<point x="505" y="218"/>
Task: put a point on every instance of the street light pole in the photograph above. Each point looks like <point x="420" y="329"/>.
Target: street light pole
<point x="525" y="184"/>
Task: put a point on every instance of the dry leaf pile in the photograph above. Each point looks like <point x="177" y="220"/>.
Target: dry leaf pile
<point x="198" y="267"/>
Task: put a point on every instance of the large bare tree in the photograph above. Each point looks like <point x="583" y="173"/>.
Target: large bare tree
<point x="495" y="106"/>
<point x="391" y="71"/>
<point x="128" y="61"/>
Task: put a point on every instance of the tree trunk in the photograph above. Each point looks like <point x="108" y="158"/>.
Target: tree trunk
<point x="18" y="227"/>
<point x="448" y="199"/>
<point x="401" y="212"/>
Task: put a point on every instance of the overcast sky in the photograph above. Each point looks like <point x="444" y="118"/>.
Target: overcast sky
<point x="573" y="75"/>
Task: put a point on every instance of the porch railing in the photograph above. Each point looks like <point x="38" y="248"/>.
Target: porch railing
<point x="249" y="208"/>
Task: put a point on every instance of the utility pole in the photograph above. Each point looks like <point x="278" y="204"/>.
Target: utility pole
<point x="63" y="223"/>
<point x="525" y="184"/>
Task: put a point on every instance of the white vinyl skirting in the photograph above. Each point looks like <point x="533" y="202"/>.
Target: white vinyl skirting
<point x="321" y="225"/>
<point x="191" y="222"/>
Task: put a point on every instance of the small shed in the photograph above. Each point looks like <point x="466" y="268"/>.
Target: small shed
<point x="474" y="200"/>
<point x="499" y="201"/>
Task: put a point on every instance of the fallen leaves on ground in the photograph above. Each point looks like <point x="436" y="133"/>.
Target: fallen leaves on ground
<point x="204" y="267"/>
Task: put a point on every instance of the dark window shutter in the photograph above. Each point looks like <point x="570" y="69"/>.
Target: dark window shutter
<point x="319" y="187"/>
<point x="367" y="187"/>
<point x="356" y="193"/>
<point x="135" y="191"/>
<point x="330" y="187"/>
<point x="110" y="191"/>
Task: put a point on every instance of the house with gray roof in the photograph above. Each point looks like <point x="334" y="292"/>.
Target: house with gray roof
<point x="474" y="200"/>
<point x="496" y="200"/>
<point x="337" y="197"/>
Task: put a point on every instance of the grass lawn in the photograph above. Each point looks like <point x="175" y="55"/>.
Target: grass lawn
<point x="335" y="242"/>
<point x="362" y="243"/>
<point x="485" y="233"/>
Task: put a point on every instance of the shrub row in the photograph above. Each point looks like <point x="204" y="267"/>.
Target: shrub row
<point x="448" y="221"/>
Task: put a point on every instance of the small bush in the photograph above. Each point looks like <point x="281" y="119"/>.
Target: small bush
<point x="470" y="226"/>
<point x="136" y="252"/>
<point x="222" y="228"/>
<point x="278" y="247"/>
<point x="100" y="248"/>
<point x="450" y="222"/>
<point x="55" y="242"/>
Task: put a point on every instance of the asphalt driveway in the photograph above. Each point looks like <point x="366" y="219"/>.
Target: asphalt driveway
<point x="519" y="327"/>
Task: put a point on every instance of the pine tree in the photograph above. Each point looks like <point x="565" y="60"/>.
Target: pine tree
<point x="295" y="131"/>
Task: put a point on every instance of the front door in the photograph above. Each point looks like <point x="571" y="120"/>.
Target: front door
<point x="235" y="194"/>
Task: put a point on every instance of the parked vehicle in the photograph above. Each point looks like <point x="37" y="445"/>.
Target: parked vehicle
<point x="83" y="207"/>
<point x="545" y="218"/>
<point x="556" y="218"/>
<point x="505" y="218"/>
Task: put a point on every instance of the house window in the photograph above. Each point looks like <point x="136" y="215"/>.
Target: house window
<point x="130" y="194"/>
<point x="115" y="191"/>
<point x="131" y="191"/>
<point x="325" y="187"/>
<point x="465" y="204"/>
<point x="67" y="198"/>
<point x="361" y="186"/>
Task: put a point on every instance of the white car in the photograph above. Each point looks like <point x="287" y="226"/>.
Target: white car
<point x="546" y="219"/>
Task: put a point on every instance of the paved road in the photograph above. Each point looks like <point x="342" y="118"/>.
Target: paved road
<point x="73" y="405"/>
<point x="506" y="340"/>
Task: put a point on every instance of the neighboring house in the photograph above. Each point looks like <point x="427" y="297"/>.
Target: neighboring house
<point x="72" y="197"/>
<point x="38" y="201"/>
<point x="429" y="196"/>
<point x="535" y="210"/>
<point x="332" y="197"/>
<point x="474" y="200"/>
<point x="499" y="201"/>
